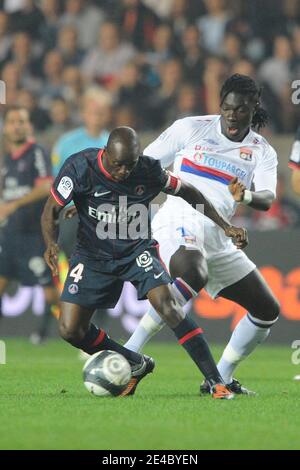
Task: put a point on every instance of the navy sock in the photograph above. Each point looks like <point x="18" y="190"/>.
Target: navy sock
<point x="97" y="340"/>
<point x="190" y="336"/>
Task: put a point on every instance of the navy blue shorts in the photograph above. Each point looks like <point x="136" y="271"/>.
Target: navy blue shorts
<point x="98" y="283"/>
<point x="22" y="259"/>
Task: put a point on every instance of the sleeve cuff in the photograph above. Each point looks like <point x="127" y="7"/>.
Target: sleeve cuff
<point x="57" y="199"/>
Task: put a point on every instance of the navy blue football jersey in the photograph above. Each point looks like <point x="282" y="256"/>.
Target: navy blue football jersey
<point x="114" y="218"/>
<point x="20" y="173"/>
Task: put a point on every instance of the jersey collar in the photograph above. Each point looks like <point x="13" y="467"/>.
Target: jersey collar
<point x="101" y="166"/>
<point x="22" y="150"/>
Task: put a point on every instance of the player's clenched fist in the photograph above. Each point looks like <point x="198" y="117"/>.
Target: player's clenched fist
<point x="239" y="236"/>
<point x="237" y="189"/>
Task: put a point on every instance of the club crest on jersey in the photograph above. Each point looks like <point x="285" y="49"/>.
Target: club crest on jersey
<point x="139" y="190"/>
<point x="73" y="288"/>
<point x="246" y="154"/>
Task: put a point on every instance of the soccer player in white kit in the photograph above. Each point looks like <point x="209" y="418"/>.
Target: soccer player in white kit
<point x="230" y="163"/>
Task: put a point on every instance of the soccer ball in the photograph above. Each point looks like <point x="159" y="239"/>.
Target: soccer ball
<point x="106" y="373"/>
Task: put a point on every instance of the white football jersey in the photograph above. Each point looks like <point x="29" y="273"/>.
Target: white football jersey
<point x="204" y="157"/>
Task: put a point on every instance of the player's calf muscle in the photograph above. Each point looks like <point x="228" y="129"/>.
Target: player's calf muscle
<point x="166" y="306"/>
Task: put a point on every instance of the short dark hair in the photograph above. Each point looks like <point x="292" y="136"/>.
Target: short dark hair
<point x="245" y="85"/>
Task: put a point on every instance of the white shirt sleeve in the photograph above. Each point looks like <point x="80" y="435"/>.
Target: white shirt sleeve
<point x="265" y="176"/>
<point x="171" y="141"/>
<point x="295" y="153"/>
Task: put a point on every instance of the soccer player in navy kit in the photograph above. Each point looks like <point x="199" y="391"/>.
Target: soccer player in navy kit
<point x="109" y="253"/>
<point x="26" y="182"/>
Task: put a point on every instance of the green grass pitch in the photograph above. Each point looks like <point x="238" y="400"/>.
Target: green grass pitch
<point x="44" y="405"/>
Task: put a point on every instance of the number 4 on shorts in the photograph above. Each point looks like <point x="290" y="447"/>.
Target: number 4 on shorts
<point x="77" y="272"/>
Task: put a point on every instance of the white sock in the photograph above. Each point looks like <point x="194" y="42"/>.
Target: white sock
<point x="244" y="339"/>
<point x="151" y="323"/>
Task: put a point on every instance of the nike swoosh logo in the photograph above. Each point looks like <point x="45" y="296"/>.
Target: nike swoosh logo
<point x="157" y="276"/>
<point x="101" y="194"/>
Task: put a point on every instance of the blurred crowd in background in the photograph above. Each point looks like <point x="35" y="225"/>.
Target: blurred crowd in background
<point x="146" y="63"/>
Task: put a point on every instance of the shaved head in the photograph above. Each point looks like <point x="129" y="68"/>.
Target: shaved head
<point x="123" y="143"/>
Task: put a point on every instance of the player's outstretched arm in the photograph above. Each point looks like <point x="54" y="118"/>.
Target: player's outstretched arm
<point x="259" y="200"/>
<point x="49" y="229"/>
<point x="194" y="197"/>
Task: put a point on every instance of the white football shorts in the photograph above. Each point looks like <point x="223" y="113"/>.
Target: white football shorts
<point x="177" y="224"/>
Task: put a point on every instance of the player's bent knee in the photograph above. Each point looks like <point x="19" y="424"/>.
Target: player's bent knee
<point x="275" y="309"/>
<point x="71" y="334"/>
<point x="190" y="266"/>
<point x="270" y="311"/>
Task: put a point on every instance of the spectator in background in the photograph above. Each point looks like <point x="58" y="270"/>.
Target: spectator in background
<point x="68" y="47"/>
<point x="39" y="117"/>
<point x="23" y="54"/>
<point x="103" y="63"/>
<point x="61" y="122"/>
<point x="232" y="48"/>
<point x="134" y="93"/>
<point x="48" y="29"/>
<point x="86" y="18"/>
<point x="137" y="23"/>
<point x="53" y="82"/>
<point x="192" y="55"/>
<point x="180" y="17"/>
<point x="96" y="116"/>
<point x="215" y="72"/>
<point x="213" y="25"/>
<point x="276" y="73"/>
<point x="165" y="96"/>
<point x="187" y="103"/>
<point x="277" y="69"/>
<point x="73" y="86"/>
<point x="27" y="19"/>
<point x="161" y="48"/>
